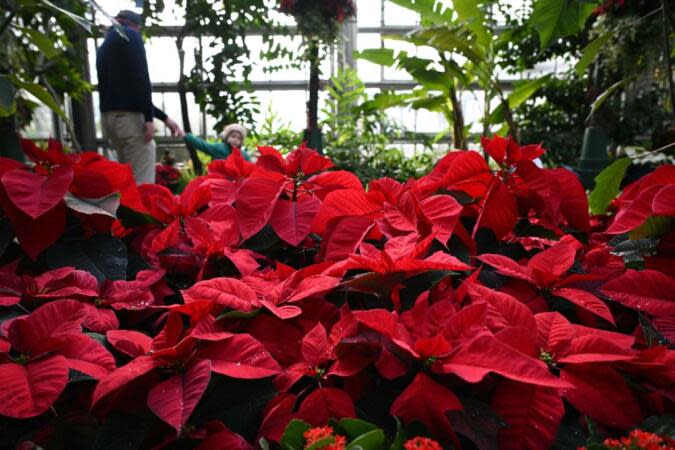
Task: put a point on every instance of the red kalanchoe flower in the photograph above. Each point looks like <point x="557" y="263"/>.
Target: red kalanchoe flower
<point x="639" y="440"/>
<point x="421" y="443"/>
<point x="314" y="435"/>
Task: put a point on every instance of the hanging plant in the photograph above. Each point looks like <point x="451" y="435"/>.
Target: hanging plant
<point x="319" y="19"/>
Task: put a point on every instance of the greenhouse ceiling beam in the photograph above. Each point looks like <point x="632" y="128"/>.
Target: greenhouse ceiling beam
<point x="301" y="85"/>
<point x="175" y="30"/>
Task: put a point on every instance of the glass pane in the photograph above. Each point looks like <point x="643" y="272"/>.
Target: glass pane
<point x="369" y="13"/>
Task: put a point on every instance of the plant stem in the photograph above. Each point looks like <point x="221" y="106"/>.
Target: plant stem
<point x="666" y="53"/>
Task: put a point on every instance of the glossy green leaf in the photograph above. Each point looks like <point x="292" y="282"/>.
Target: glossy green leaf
<point x="559" y="18"/>
<point x="589" y="52"/>
<point x="42" y="42"/>
<point x="431" y="11"/>
<point x="354" y="428"/>
<point x="42" y="95"/>
<point x="520" y="94"/>
<point x="373" y="440"/>
<point x="470" y="12"/>
<point x="381" y="56"/>
<point x="293" y="437"/>
<point x="605" y="95"/>
<point x="607" y="185"/>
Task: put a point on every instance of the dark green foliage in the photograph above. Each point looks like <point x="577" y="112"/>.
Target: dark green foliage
<point x="555" y="117"/>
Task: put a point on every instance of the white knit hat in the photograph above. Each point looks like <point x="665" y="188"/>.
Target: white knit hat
<point x="234" y="127"/>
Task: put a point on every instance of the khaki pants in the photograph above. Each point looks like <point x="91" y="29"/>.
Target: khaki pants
<point x="125" y="132"/>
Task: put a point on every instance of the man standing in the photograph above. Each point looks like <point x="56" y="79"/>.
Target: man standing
<point x="126" y="98"/>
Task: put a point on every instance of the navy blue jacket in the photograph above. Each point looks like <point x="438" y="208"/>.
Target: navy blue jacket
<point x="123" y="78"/>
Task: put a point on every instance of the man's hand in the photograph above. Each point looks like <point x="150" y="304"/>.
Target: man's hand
<point x="149" y="132"/>
<point x="175" y="129"/>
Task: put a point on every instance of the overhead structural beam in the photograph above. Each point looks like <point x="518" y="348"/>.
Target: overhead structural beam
<point x="301" y="85"/>
<point x="176" y="30"/>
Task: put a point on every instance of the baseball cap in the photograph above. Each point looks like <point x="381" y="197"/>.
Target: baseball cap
<point x="130" y="16"/>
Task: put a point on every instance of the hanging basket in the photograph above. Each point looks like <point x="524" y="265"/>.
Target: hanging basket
<point x="319" y="19"/>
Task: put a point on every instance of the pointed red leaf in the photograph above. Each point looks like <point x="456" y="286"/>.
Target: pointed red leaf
<point x="29" y="390"/>
<point x="587" y="301"/>
<point x="131" y="343"/>
<point x="427" y="401"/>
<point x="35" y="333"/>
<point x="554" y="333"/>
<point x="255" y="203"/>
<point x="167" y="238"/>
<point x="170" y="334"/>
<point x="175" y="399"/>
<point x="122" y="376"/>
<point x="35" y="194"/>
<point x="324" y="404"/>
<point x="327" y="182"/>
<point x="307" y="161"/>
<point x="664" y="201"/>
<point x="11" y="289"/>
<point x="503" y="309"/>
<point x="496" y="147"/>
<point x="343" y="235"/>
<point x="649" y="290"/>
<point x="507" y="266"/>
<point x="241" y="356"/>
<point x="224" y="440"/>
<point x="532" y="414"/>
<point x="293" y="220"/>
<point x="64" y="282"/>
<point x="574" y="202"/>
<point x="633" y="214"/>
<point x="228" y="292"/>
<point x="498" y="211"/>
<point x="443" y="212"/>
<point x="593" y="348"/>
<point x="85" y="355"/>
<point x="485" y="354"/>
<point x="347" y="202"/>
<point x="553" y="262"/>
<point x="315" y="346"/>
<point x="601" y="393"/>
<point x="35" y="235"/>
<point x="207" y="329"/>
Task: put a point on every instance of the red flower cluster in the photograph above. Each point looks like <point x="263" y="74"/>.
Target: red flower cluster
<point x="421" y="443"/>
<point x="293" y="280"/>
<point x="314" y="435"/>
<point x="607" y="6"/>
<point x="639" y="440"/>
<point x="338" y="10"/>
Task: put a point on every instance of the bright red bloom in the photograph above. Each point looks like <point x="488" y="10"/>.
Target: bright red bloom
<point x="314" y="435"/>
<point x="421" y="443"/>
<point x="639" y="440"/>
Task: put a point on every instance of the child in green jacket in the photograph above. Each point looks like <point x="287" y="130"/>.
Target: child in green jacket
<point x="233" y="136"/>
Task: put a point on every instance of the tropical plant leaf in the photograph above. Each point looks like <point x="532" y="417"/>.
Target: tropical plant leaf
<point x="605" y="95"/>
<point x="589" y="52"/>
<point x="607" y="185"/>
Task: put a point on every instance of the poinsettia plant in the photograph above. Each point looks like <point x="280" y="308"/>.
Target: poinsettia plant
<point x="283" y="304"/>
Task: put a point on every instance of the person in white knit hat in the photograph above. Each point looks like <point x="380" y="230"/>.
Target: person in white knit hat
<point x="233" y="137"/>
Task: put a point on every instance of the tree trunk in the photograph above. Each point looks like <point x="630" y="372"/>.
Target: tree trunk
<point x="182" y="95"/>
<point x="314" y="133"/>
<point x="458" y="137"/>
